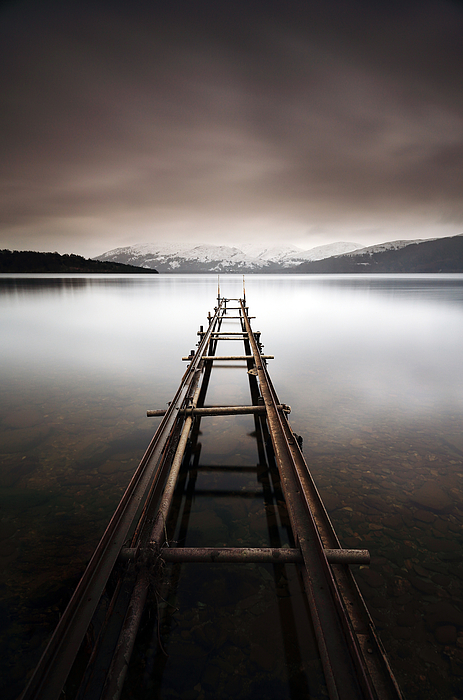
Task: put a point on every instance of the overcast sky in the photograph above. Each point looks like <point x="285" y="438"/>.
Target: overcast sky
<point x="227" y="122"/>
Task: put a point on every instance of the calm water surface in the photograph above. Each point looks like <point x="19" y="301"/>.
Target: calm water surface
<point x="371" y="366"/>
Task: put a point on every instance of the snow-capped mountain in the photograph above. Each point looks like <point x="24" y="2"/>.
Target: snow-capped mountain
<point x="273" y="254"/>
<point x="323" y="251"/>
<point x="172" y="257"/>
<point x="422" y="255"/>
<point x="181" y="258"/>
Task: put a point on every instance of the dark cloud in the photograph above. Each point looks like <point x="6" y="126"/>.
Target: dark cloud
<point x="122" y="121"/>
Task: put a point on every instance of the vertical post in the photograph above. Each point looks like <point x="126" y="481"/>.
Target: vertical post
<point x="218" y="290"/>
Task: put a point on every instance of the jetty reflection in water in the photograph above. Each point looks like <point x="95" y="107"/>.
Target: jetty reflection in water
<point x="371" y="366"/>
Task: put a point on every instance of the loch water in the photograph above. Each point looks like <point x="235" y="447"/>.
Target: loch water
<point x="372" y="368"/>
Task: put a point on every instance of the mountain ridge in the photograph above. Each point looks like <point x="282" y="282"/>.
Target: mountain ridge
<point x="435" y="255"/>
<point x="170" y="257"/>
<point x="418" y="255"/>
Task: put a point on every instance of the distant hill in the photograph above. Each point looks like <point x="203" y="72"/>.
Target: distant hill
<point x="436" y="255"/>
<point x="30" y="261"/>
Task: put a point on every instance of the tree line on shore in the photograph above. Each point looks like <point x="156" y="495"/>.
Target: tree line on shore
<point x="32" y="261"/>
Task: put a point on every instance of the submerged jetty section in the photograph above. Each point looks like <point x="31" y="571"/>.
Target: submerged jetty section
<point x="284" y="620"/>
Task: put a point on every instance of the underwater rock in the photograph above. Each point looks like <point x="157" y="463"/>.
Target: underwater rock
<point x="16" y="470"/>
<point x="331" y="501"/>
<point x="373" y="578"/>
<point x="97" y="452"/>
<point x="432" y="497"/>
<point x="440" y="545"/>
<point x="423" y="586"/>
<point x="25" y="418"/>
<point x="109" y="467"/>
<point x="8" y="548"/>
<point x="455" y="442"/>
<point x="424" y="516"/>
<point x="442" y="614"/>
<point x="261" y="658"/>
<point x="21" y="439"/>
<point x="446" y="634"/>
<point x="22" y="499"/>
<point x="6" y="530"/>
<point x="401" y="632"/>
<point x="406" y="619"/>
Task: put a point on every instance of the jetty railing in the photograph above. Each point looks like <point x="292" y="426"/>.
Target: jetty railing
<point x="102" y="619"/>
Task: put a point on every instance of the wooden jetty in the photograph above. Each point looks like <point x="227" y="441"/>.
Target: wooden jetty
<point x="89" y="654"/>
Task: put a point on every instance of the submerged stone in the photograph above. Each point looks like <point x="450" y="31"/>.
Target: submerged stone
<point x="25" y="418"/>
<point x="440" y="545"/>
<point x="424" y="586"/>
<point x="443" y="613"/>
<point x="22" y="499"/>
<point x="373" y="578"/>
<point x="108" y="467"/>
<point x="21" y="439"/>
<point x="6" y="530"/>
<point x="447" y="634"/>
<point x="424" y="516"/>
<point x="401" y="632"/>
<point x="393" y="521"/>
<point x="432" y="497"/>
<point x="8" y="548"/>
<point x="16" y="471"/>
<point x="406" y="619"/>
<point x="331" y="502"/>
<point x="455" y="441"/>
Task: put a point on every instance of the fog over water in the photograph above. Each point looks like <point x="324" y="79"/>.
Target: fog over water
<point x="375" y="335"/>
<point x="371" y="366"/>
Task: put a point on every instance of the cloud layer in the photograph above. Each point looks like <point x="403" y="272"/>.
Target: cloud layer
<point x="300" y="121"/>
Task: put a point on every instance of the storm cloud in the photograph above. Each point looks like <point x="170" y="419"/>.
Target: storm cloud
<point x="301" y="122"/>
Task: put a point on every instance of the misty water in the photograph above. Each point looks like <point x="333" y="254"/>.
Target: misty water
<point x="371" y="366"/>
